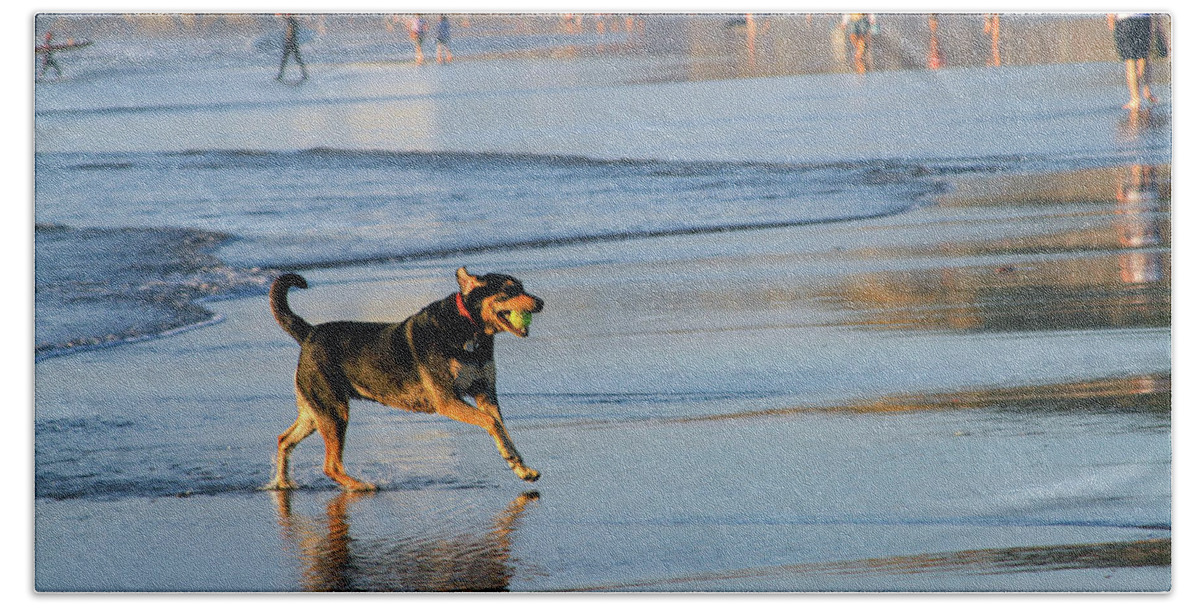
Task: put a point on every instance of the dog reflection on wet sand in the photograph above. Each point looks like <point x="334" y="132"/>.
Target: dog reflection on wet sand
<point x="427" y="363"/>
<point x="429" y="559"/>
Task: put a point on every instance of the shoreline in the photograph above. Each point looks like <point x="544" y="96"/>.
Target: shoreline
<point x="1021" y="188"/>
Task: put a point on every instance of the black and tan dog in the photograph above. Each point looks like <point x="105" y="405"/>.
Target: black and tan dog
<point x="428" y="363"/>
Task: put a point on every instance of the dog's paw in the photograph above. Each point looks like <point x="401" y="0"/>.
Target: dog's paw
<point x="355" y="485"/>
<point x="526" y="473"/>
<point x="278" y="485"/>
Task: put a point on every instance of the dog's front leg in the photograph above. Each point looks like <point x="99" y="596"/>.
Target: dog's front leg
<point x="489" y="404"/>
<point x="457" y="409"/>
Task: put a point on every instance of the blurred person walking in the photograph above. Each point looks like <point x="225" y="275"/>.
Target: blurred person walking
<point x="291" y="47"/>
<point x="991" y="26"/>
<point x="48" y="61"/>
<point x="936" y="59"/>
<point x="416" y="33"/>
<point x="1131" y="33"/>
<point x="861" y="27"/>
<point x="443" y="40"/>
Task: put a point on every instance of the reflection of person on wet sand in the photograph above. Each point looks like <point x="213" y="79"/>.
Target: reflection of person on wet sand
<point x="861" y="27"/>
<point x="1138" y="204"/>
<point x="1140" y="185"/>
<point x="291" y="47"/>
<point x="333" y="559"/>
<point x="1132" y="32"/>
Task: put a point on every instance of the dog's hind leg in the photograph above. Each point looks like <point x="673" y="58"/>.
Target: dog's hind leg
<point x="332" y="423"/>
<point x="301" y="428"/>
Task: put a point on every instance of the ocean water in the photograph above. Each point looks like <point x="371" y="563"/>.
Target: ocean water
<point x="127" y="243"/>
<point x="174" y="178"/>
<point x="147" y="234"/>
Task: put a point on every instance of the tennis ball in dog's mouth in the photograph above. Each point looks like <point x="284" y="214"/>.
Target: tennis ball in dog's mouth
<point x="520" y="319"/>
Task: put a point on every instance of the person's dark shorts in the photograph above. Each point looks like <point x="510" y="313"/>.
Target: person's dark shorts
<point x="1133" y="37"/>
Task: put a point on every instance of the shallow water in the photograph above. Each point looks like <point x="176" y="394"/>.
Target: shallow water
<point x="709" y="475"/>
<point x="701" y="424"/>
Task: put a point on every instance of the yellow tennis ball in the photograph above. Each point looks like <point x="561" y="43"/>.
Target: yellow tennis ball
<point x="520" y="319"/>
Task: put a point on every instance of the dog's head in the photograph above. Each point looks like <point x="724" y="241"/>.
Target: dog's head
<point x="498" y="301"/>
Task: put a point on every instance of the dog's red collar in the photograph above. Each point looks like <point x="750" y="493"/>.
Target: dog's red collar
<point x="462" y="308"/>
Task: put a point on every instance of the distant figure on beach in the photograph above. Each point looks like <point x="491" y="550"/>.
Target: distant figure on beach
<point x="936" y="59"/>
<point x="291" y="47"/>
<point x="571" y="23"/>
<point x="861" y="27"/>
<point x="991" y="25"/>
<point x="443" y="40"/>
<point x="48" y="60"/>
<point x="751" y="37"/>
<point x="416" y="33"/>
<point x="1132" y="32"/>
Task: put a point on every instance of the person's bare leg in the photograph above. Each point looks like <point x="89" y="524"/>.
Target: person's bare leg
<point x="1131" y="79"/>
<point x="1143" y="74"/>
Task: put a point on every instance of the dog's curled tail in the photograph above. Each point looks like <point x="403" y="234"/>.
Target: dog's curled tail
<point x="290" y="322"/>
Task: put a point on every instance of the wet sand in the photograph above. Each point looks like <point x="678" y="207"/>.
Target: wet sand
<point x="974" y="396"/>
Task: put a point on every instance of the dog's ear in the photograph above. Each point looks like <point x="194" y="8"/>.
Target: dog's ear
<point x="467" y="282"/>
